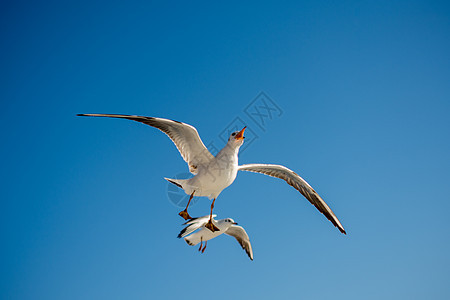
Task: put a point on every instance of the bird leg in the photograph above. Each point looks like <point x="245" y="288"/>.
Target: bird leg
<point x="184" y="214"/>
<point x="204" y="247"/>
<point x="210" y="224"/>
<point x="201" y="244"/>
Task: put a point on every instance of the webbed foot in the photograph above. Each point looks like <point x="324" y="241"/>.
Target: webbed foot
<point x="184" y="214"/>
<point x="211" y="226"/>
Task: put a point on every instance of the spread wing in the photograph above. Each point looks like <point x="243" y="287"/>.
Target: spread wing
<point x="194" y="224"/>
<point x="299" y="184"/>
<point x="184" y="136"/>
<point x="241" y="236"/>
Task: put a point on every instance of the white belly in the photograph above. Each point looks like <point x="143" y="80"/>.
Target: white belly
<point x="210" y="181"/>
<point x="204" y="234"/>
<point x="216" y="176"/>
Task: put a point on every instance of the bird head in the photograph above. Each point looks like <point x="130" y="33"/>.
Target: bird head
<point x="230" y="221"/>
<point x="237" y="137"/>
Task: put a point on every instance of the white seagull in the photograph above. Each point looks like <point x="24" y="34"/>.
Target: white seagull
<point x="214" y="174"/>
<point x="227" y="226"/>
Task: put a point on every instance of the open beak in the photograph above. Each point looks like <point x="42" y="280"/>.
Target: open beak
<point x="240" y="135"/>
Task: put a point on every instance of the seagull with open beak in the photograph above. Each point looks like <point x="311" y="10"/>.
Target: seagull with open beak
<point x="213" y="174"/>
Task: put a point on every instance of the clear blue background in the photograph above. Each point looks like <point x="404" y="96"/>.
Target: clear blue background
<point x="364" y="89"/>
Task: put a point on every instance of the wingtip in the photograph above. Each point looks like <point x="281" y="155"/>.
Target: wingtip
<point x="180" y="235"/>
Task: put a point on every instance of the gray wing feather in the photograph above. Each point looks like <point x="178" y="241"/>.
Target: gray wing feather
<point x="294" y="180"/>
<point x="184" y="136"/>
<point x="242" y="237"/>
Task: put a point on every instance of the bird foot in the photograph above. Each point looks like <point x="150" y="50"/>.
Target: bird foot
<point x="184" y="214"/>
<point x="211" y="226"/>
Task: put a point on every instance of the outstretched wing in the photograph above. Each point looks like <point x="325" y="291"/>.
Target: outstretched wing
<point x="241" y="236"/>
<point x="184" y="136"/>
<point x="299" y="184"/>
<point x="193" y="225"/>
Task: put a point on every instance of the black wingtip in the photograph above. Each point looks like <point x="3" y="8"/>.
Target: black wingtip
<point x="180" y="235"/>
<point x="341" y="229"/>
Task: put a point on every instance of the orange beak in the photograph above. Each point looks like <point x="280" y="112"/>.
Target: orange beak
<point x="240" y="135"/>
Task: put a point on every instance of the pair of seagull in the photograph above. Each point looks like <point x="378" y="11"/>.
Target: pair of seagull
<point x="212" y="174"/>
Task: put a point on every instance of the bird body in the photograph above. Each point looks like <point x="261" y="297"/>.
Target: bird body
<point x="212" y="178"/>
<point x="203" y="234"/>
<point x="196" y="232"/>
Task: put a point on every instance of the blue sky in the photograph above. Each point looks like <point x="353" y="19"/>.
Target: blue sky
<point x="363" y="90"/>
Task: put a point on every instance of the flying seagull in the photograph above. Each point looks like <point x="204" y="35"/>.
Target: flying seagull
<point x="214" y="174"/>
<point x="227" y="226"/>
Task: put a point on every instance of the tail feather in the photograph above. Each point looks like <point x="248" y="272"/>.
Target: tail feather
<point x="177" y="182"/>
<point x="189" y="242"/>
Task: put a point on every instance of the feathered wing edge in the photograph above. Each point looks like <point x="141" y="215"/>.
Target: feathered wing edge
<point x="241" y="236"/>
<point x="193" y="225"/>
<point x="297" y="182"/>
<point x="184" y="136"/>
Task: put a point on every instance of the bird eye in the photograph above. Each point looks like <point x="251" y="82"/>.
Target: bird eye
<point x="233" y="134"/>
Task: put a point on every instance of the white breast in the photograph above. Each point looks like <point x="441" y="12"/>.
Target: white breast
<point x="216" y="176"/>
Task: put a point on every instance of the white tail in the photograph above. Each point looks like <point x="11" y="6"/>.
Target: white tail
<point x="177" y="182"/>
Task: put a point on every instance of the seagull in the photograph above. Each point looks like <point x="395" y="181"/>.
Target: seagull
<point x="213" y="174"/>
<point x="227" y="226"/>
